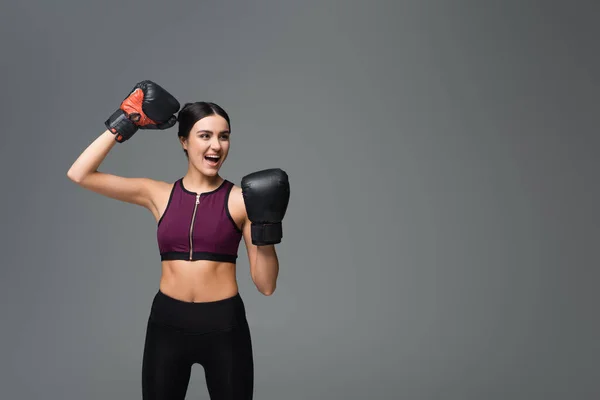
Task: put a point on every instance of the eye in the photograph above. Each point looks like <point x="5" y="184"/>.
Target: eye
<point x="225" y="136"/>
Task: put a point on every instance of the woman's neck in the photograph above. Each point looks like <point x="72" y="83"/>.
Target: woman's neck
<point x="197" y="182"/>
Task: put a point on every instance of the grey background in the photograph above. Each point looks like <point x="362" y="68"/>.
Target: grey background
<point x="442" y="236"/>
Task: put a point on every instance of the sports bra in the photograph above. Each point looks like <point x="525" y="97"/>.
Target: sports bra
<point x="198" y="226"/>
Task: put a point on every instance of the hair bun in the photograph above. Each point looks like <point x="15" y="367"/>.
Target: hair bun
<point x="185" y="106"/>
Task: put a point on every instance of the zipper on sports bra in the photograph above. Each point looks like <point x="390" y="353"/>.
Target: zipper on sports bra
<point x="192" y="226"/>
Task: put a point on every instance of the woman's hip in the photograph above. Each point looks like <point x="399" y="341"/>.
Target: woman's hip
<point x="198" y="317"/>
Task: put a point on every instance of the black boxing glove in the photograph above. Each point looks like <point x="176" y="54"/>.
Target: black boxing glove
<point x="266" y="196"/>
<point x="148" y="106"/>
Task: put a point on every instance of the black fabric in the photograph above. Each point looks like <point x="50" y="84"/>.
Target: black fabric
<point x="198" y="255"/>
<point x="213" y="334"/>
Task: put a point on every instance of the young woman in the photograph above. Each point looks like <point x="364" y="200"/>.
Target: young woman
<point x="197" y="315"/>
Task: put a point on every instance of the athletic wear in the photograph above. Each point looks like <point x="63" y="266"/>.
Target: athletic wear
<point x="198" y="226"/>
<point x="213" y="334"/>
<point x="266" y="196"/>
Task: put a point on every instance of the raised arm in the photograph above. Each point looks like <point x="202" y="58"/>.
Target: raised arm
<point x="84" y="172"/>
<point x="148" y="106"/>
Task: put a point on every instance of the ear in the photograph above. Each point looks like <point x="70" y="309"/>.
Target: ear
<point x="183" y="142"/>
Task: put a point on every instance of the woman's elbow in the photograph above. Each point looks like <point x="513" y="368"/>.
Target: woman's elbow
<point x="266" y="290"/>
<point x="75" y="175"/>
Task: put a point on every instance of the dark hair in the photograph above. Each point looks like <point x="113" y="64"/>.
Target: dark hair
<point x="191" y="113"/>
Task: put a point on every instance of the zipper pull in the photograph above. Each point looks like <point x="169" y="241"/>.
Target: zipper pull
<point x="197" y="199"/>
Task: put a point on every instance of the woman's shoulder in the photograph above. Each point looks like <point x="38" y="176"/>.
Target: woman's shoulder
<point x="160" y="186"/>
<point x="235" y="193"/>
<point x="236" y="200"/>
<point x="235" y="189"/>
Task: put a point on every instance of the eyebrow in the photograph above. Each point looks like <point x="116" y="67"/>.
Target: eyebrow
<point x="209" y="131"/>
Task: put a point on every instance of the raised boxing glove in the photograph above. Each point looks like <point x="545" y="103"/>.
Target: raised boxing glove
<point x="266" y="196"/>
<point x="147" y="106"/>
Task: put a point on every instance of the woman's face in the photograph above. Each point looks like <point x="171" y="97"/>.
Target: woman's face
<point x="208" y="144"/>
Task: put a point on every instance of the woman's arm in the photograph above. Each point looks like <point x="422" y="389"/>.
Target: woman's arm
<point x="121" y="126"/>
<point x="264" y="264"/>
<point x="265" y="195"/>
<point x="84" y="172"/>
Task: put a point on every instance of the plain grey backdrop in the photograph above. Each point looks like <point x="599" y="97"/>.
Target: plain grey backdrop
<point x="442" y="236"/>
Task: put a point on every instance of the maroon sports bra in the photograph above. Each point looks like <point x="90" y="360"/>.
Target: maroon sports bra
<point x="198" y="226"/>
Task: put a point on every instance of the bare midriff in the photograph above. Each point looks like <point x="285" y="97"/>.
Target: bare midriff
<point x="198" y="281"/>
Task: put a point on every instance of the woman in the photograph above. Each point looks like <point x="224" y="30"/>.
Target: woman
<point x="197" y="315"/>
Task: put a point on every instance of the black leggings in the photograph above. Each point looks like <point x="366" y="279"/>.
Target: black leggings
<point x="214" y="334"/>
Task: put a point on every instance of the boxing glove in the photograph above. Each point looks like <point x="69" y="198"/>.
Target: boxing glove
<point x="266" y="195"/>
<point x="147" y="106"/>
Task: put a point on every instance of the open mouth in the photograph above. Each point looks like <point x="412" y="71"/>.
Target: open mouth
<point x="212" y="160"/>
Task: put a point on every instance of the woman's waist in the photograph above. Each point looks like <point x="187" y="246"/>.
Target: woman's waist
<point x="198" y="281"/>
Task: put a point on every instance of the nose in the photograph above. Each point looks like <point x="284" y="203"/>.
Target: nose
<point x="215" y="144"/>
